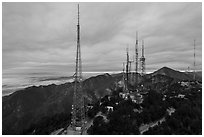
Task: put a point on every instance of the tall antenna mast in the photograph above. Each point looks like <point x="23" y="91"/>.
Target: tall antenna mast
<point x="142" y="59"/>
<point x="78" y="110"/>
<point x="127" y="67"/>
<point x="136" y="59"/>
<point x="194" y="76"/>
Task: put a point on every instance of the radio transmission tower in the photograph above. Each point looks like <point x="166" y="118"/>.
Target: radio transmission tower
<point x="142" y="59"/>
<point x="78" y="109"/>
<point x="127" y="69"/>
<point x="136" y="60"/>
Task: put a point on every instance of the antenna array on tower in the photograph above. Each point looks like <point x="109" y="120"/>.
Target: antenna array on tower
<point x="142" y="60"/>
<point x="136" y="60"/>
<point x="78" y="109"/>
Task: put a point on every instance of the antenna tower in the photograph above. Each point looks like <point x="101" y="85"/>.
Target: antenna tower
<point x="194" y="76"/>
<point x="78" y="109"/>
<point x="136" y="60"/>
<point x="127" y="69"/>
<point x="142" y="59"/>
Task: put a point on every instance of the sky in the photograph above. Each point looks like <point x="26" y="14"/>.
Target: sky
<point x="40" y="38"/>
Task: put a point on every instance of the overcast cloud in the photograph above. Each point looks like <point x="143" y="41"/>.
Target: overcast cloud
<point x="41" y="37"/>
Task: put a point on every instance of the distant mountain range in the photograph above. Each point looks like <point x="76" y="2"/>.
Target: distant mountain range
<point x="177" y="75"/>
<point x="25" y="107"/>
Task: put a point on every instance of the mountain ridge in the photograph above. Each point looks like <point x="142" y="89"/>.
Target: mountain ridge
<point x="32" y="103"/>
<point x="175" y="74"/>
<point x="24" y="107"/>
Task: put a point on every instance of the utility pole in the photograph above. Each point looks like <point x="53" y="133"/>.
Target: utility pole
<point x="78" y="109"/>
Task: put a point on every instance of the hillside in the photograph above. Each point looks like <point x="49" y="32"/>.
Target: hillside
<point x="27" y="106"/>
<point x="177" y="75"/>
<point x="168" y="102"/>
<point x="36" y="108"/>
<point x="177" y="112"/>
<point x="30" y="105"/>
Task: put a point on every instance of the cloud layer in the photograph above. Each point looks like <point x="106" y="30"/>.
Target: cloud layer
<point x="41" y="37"/>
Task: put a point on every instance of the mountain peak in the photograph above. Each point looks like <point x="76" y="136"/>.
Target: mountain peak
<point x="164" y="71"/>
<point x="171" y="73"/>
<point x="165" y="67"/>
